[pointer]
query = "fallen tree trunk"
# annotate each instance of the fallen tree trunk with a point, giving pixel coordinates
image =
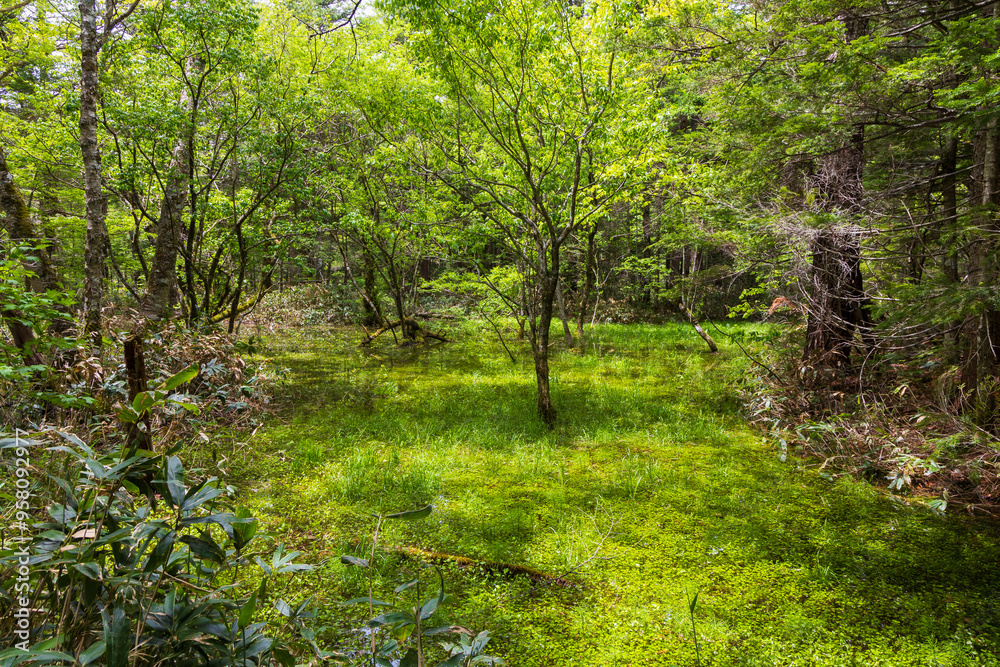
(411, 329)
(499, 569)
(697, 327)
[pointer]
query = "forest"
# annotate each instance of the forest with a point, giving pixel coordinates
(483, 332)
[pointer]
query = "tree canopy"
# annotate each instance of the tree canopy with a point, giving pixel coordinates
(181, 160)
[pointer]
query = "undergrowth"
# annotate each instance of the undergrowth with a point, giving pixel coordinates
(890, 419)
(651, 489)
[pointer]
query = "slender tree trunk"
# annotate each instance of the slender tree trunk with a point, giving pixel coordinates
(712, 347)
(838, 304)
(540, 321)
(192, 242)
(234, 311)
(540, 349)
(97, 241)
(562, 315)
(370, 312)
(20, 228)
(949, 199)
(588, 279)
(837, 300)
(981, 364)
(138, 436)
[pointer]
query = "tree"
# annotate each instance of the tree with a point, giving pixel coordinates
(97, 207)
(200, 150)
(533, 90)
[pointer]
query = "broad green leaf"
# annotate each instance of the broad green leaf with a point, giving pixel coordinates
(376, 603)
(94, 652)
(205, 547)
(160, 552)
(142, 402)
(185, 375)
(175, 481)
(90, 570)
(247, 612)
(410, 659)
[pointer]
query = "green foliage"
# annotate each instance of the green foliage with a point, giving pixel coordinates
(652, 488)
(140, 562)
(397, 633)
(34, 310)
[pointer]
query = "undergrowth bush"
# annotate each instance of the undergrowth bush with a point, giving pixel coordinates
(137, 561)
(890, 420)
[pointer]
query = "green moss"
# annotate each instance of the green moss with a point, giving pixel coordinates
(650, 487)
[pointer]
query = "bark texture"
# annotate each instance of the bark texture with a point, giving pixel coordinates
(161, 286)
(97, 242)
(548, 281)
(17, 224)
(712, 347)
(837, 307)
(981, 363)
(138, 437)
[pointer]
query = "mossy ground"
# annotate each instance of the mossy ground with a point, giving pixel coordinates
(651, 480)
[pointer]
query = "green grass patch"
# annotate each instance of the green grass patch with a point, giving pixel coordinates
(650, 488)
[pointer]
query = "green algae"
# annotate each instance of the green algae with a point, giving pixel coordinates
(650, 488)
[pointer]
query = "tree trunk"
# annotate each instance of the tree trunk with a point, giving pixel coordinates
(588, 280)
(949, 199)
(17, 223)
(23, 336)
(981, 364)
(562, 315)
(20, 228)
(370, 298)
(161, 287)
(97, 241)
(838, 305)
(712, 347)
(135, 372)
(540, 321)
(540, 349)
(192, 242)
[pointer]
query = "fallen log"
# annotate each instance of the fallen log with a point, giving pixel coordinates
(411, 329)
(500, 569)
(697, 327)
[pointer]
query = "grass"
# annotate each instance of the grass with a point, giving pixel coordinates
(650, 488)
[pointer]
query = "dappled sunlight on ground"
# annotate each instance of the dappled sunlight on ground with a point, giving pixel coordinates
(650, 488)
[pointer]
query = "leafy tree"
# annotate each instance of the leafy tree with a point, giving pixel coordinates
(542, 129)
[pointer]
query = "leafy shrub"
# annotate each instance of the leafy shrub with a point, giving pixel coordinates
(138, 563)
(226, 383)
(25, 385)
(303, 305)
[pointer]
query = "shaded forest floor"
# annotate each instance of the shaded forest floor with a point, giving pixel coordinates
(651, 488)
